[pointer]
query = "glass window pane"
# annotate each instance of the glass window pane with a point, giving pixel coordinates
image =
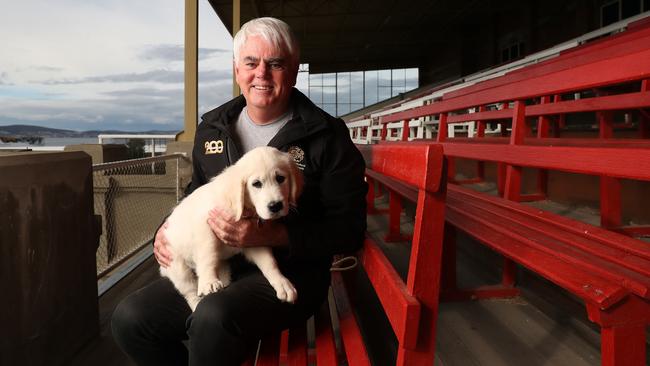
(371, 87)
(343, 108)
(330, 108)
(329, 94)
(355, 107)
(302, 82)
(383, 93)
(343, 88)
(411, 78)
(316, 94)
(398, 77)
(315, 79)
(356, 87)
(329, 79)
(383, 77)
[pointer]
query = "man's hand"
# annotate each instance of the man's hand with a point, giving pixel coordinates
(160, 251)
(246, 232)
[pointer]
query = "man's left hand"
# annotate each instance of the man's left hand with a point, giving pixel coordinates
(247, 232)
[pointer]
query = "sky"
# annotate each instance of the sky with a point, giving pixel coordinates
(106, 64)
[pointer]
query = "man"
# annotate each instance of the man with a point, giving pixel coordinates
(151, 324)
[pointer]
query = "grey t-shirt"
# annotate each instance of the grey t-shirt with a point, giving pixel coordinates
(250, 135)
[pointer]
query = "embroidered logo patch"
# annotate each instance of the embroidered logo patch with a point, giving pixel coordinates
(213, 147)
(298, 156)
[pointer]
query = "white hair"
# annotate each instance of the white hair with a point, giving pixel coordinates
(272, 30)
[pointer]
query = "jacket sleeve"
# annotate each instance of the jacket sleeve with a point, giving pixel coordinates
(340, 227)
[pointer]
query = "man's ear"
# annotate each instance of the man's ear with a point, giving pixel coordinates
(296, 182)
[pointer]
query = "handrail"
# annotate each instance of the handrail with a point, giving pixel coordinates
(125, 163)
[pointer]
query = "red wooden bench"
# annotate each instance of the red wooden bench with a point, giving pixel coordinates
(609, 271)
(411, 307)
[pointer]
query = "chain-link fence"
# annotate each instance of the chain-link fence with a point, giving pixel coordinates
(133, 197)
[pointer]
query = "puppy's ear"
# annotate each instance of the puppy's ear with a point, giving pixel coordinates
(296, 182)
(236, 188)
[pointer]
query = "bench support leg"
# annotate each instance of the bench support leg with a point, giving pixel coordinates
(394, 219)
(449, 286)
(623, 331)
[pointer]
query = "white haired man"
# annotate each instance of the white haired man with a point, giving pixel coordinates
(154, 325)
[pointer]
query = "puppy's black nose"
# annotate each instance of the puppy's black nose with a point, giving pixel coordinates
(275, 206)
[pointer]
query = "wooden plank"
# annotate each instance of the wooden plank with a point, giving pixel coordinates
(606, 262)
(402, 309)
(404, 161)
(610, 71)
(604, 103)
(355, 349)
(589, 287)
(593, 233)
(568, 59)
(613, 162)
(406, 191)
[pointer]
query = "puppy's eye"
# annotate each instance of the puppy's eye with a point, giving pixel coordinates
(279, 178)
(257, 184)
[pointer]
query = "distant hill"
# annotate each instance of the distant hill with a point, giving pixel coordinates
(38, 131)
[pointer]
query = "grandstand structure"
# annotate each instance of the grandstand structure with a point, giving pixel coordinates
(508, 203)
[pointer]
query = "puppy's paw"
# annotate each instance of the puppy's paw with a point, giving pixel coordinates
(209, 287)
(284, 290)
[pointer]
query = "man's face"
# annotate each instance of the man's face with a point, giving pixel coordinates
(265, 76)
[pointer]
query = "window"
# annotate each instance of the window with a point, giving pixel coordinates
(345, 92)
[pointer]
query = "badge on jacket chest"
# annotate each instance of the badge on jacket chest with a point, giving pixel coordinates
(298, 156)
(213, 147)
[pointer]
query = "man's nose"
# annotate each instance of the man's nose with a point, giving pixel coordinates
(262, 70)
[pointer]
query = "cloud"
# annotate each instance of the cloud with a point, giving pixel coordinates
(154, 76)
(159, 76)
(4, 79)
(175, 52)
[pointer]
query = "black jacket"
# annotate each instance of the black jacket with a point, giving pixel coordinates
(331, 213)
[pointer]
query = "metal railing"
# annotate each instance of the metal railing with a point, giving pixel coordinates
(133, 197)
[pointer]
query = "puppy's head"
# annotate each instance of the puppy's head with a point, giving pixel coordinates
(272, 182)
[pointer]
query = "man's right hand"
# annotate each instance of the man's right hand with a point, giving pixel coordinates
(160, 251)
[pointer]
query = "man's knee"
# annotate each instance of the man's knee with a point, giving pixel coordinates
(213, 316)
(127, 319)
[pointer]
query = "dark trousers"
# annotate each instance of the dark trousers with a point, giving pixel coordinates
(152, 324)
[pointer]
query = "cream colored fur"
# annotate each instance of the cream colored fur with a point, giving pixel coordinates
(250, 185)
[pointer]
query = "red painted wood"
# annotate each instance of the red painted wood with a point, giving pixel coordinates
(405, 130)
(588, 287)
(297, 350)
(644, 116)
(394, 219)
(609, 263)
(269, 351)
(614, 162)
(442, 127)
(623, 345)
(404, 162)
(589, 232)
(424, 275)
(325, 347)
(622, 331)
(354, 347)
(599, 73)
(402, 309)
(614, 46)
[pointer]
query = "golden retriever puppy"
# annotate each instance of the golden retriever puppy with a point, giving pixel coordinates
(265, 181)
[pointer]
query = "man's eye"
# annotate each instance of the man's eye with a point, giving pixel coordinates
(279, 178)
(257, 184)
(276, 66)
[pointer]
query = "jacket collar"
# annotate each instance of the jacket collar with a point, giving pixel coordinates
(307, 118)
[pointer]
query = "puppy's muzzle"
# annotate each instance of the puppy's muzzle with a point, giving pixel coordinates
(276, 207)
